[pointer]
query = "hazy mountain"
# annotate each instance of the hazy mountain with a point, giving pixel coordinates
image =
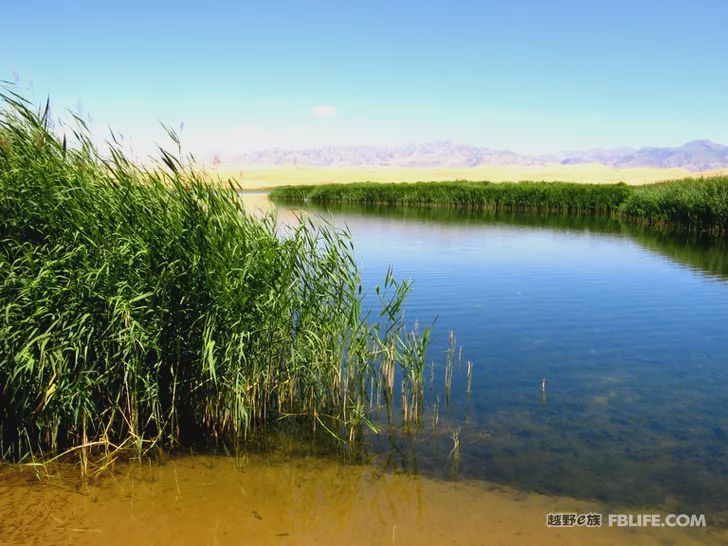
(435, 154)
(698, 155)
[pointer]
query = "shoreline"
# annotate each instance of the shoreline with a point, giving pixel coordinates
(694, 204)
(206, 499)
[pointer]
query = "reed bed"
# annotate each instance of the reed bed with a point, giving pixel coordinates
(699, 203)
(693, 204)
(523, 195)
(143, 307)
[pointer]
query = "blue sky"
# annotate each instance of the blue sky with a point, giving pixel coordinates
(532, 76)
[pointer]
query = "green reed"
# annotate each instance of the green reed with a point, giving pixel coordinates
(587, 198)
(144, 307)
(699, 203)
(693, 204)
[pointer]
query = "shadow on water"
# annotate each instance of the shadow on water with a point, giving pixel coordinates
(701, 252)
(636, 357)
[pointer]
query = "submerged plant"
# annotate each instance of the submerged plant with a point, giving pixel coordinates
(143, 306)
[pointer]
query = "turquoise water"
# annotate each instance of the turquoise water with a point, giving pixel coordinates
(628, 326)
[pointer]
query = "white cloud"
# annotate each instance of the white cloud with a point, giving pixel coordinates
(324, 111)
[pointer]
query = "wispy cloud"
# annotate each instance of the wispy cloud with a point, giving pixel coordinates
(324, 111)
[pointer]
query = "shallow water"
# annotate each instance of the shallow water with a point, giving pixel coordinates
(221, 500)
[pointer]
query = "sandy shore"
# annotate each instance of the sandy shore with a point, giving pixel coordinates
(206, 500)
(254, 178)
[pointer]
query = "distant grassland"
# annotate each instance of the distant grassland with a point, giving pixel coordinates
(699, 204)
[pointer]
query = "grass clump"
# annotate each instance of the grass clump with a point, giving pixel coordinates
(699, 203)
(144, 307)
(693, 204)
(553, 196)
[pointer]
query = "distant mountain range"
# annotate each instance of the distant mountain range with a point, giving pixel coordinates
(697, 155)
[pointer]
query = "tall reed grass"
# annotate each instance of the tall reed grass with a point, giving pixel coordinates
(144, 307)
(561, 196)
(693, 204)
(698, 203)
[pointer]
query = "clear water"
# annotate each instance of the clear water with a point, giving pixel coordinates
(628, 326)
(254, 500)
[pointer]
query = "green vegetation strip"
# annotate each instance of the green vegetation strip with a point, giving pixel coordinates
(145, 308)
(698, 204)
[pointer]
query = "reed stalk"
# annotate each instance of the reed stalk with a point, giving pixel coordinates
(144, 307)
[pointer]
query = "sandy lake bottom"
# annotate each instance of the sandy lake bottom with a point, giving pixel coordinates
(307, 500)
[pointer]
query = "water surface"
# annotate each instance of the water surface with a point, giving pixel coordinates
(628, 326)
(202, 500)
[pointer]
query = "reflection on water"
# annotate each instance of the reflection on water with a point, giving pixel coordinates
(628, 325)
(221, 500)
(702, 252)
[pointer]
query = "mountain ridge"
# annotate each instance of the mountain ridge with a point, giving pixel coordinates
(695, 155)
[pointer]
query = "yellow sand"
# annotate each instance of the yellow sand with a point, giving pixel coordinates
(206, 500)
(260, 178)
